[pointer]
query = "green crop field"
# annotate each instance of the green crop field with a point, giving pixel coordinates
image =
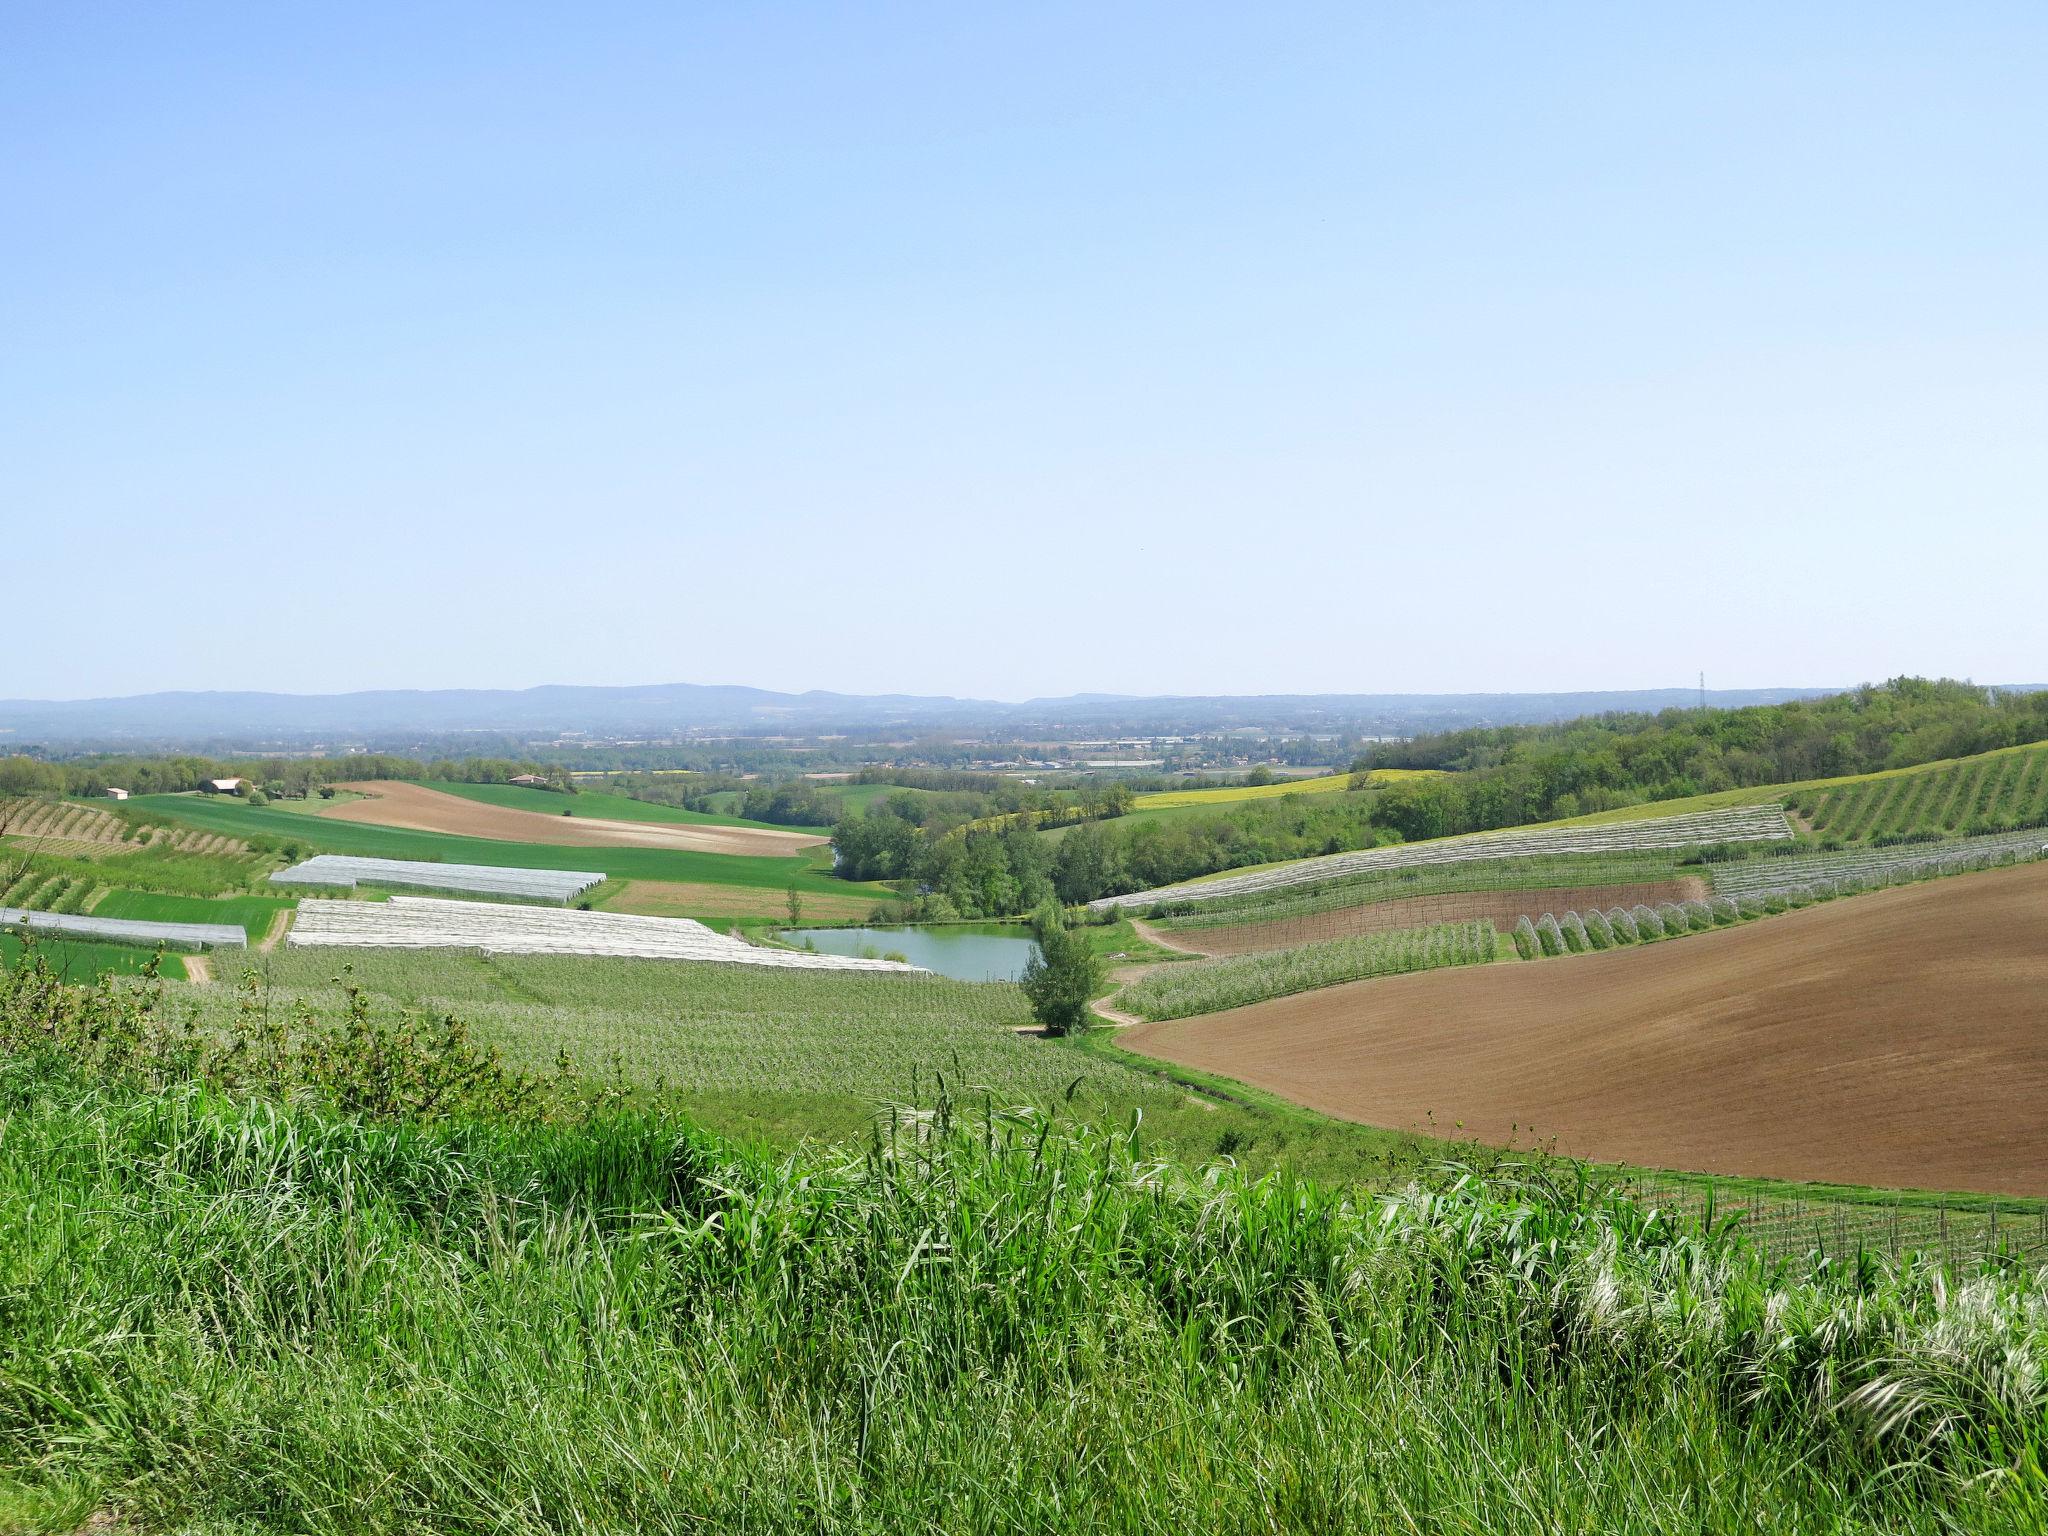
(81, 960)
(253, 914)
(810, 872)
(598, 803)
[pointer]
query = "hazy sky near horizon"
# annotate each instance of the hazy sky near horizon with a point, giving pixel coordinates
(1019, 350)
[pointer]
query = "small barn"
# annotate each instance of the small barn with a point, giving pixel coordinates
(222, 786)
(117, 794)
(530, 780)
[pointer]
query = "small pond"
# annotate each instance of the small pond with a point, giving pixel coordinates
(965, 951)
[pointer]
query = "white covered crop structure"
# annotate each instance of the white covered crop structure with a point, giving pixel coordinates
(121, 930)
(1742, 824)
(422, 922)
(346, 872)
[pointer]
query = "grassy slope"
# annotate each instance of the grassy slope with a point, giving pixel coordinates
(598, 803)
(1764, 794)
(315, 834)
(274, 1318)
(80, 960)
(792, 1055)
(856, 798)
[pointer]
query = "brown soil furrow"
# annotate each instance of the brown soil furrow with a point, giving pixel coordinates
(1896, 1039)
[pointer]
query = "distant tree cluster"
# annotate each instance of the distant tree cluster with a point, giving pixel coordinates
(1514, 775)
(1004, 866)
(274, 777)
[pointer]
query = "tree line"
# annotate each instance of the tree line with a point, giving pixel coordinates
(298, 776)
(1514, 775)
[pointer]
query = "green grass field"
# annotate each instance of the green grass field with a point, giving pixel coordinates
(81, 961)
(855, 799)
(598, 803)
(253, 914)
(810, 872)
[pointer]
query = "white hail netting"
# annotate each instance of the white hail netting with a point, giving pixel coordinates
(1758, 876)
(1743, 824)
(421, 922)
(122, 930)
(346, 871)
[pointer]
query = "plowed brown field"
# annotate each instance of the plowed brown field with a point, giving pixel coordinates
(1500, 908)
(420, 809)
(1898, 1039)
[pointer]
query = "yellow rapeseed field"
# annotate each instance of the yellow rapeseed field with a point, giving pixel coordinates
(1175, 799)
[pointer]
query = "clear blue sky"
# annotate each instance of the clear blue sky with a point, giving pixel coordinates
(1010, 350)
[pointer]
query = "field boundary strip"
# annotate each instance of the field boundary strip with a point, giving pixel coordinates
(425, 922)
(1757, 823)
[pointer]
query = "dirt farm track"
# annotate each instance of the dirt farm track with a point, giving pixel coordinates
(420, 809)
(1897, 1039)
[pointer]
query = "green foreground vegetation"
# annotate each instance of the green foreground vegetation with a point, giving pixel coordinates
(334, 1275)
(786, 1054)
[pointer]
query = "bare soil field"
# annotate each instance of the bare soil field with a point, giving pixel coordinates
(420, 809)
(1501, 908)
(1898, 1039)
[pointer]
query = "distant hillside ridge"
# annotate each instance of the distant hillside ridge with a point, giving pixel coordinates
(191, 718)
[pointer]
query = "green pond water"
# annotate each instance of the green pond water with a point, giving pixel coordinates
(967, 952)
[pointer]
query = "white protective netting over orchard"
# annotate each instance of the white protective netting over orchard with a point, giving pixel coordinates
(346, 872)
(123, 930)
(1741, 824)
(422, 922)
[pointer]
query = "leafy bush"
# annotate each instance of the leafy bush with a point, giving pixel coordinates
(1648, 923)
(1622, 923)
(1549, 936)
(1526, 943)
(1598, 930)
(1576, 938)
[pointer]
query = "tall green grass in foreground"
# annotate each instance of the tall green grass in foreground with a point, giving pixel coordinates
(391, 1291)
